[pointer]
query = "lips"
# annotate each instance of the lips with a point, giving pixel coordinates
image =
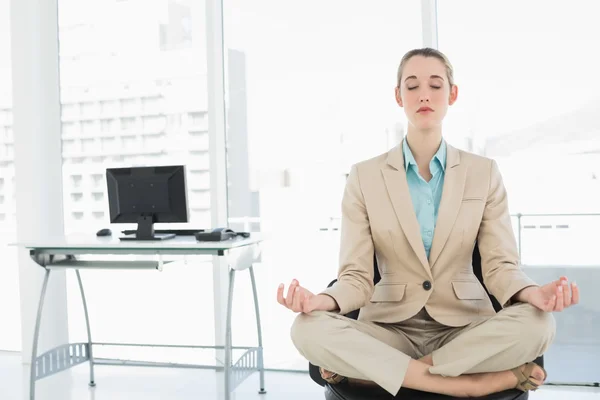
(423, 109)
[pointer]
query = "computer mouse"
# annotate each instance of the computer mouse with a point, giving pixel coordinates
(104, 232)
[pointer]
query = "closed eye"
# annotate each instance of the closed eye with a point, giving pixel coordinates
(433, 87)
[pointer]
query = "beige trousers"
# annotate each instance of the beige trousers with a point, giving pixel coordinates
(381, 352)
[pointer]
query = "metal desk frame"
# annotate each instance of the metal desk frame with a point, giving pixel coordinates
(240, 253)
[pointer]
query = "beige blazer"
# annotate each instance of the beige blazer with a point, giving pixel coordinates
(378, 216)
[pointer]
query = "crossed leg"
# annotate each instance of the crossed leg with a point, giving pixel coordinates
(386, 356)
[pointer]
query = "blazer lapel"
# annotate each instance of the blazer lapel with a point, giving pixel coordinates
(397, 187)
(452, 193)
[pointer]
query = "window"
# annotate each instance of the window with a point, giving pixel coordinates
(89, 128)
(199, 180)
(97, 180)
(129, 106)
(9, 150)
(10, 338)
(154, 124)
(70, 111)
(174, 122)
(198, 140)
(98, 196)
(198, 120)
(128, 123)
(109, 144)
(76, 181)
(107, 126)
(70, 128)
(320, 91)
(129, 142)
(6, 113)
(114, 93)
(153, 105)
(153, 143)
(529, 99)
(76, 197)
(70, 146)
(109, 107)
(89, 109)
(88, 145)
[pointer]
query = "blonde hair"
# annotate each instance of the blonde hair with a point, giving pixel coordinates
(427, 52)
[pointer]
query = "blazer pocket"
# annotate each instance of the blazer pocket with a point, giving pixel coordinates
(468, 290)
(472, 199)
(388, 292)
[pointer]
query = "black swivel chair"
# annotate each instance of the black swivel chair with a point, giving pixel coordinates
(346, 392)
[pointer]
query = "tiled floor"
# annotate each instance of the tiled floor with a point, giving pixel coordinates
(133, 383)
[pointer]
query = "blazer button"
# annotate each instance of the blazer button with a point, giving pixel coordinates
(427, 285)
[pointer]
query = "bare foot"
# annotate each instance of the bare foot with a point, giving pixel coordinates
(330, 377)
(334, 378)
(529, 371)
(428, 359)
(493, 382)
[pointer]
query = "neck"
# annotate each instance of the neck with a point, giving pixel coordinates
(424, 145)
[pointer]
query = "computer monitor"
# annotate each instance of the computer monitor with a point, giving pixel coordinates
(145, 195)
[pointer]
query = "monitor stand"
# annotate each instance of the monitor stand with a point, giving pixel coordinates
(145, 231)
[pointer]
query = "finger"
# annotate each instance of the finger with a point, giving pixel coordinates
(550, 304)
(280, 298)
(560, 299)
(560, 280)
(297, 302)
(306, 304)
(566, 294)
(290, 295)
(575, 288)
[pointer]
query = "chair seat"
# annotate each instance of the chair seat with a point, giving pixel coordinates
(345, 392)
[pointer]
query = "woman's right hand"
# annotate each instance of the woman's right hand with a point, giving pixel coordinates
(300, 299)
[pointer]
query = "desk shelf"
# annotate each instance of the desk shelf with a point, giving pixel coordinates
(70, 355)
(61, 358)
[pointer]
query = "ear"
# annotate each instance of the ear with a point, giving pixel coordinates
(398, 97)
(453, 95)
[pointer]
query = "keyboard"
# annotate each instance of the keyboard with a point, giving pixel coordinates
(177, 232)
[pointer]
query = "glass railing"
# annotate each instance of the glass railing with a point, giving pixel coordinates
(557, 239)
(546, 239)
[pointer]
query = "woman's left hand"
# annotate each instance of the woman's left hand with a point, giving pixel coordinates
(554, 296)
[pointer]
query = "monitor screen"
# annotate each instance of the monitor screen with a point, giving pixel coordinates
(145, 195)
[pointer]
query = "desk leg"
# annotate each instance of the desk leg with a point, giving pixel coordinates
(261, 365)
(89, 333)
(36, 335)
(228, 340)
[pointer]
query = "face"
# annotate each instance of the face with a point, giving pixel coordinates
(425, 92)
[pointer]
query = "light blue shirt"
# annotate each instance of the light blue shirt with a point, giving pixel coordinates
(426, 196)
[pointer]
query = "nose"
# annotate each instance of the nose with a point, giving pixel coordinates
(424, 99)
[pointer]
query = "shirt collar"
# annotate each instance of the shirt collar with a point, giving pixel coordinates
(440, 156)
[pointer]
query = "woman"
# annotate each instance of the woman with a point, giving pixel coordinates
(428, 324)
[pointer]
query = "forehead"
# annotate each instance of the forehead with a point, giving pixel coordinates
(424, 67)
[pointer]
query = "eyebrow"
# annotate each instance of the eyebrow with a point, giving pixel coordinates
(431, 77)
